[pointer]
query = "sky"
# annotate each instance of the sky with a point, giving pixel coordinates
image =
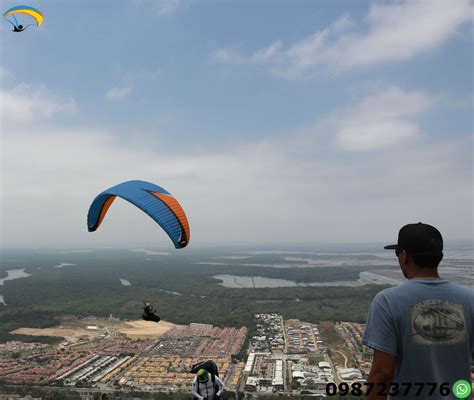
(272, 122)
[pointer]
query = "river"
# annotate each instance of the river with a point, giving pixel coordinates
(12, 274)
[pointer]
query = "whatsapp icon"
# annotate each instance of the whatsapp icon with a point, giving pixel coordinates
(462, 389)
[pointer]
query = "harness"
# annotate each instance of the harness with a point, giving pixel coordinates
(216, 388)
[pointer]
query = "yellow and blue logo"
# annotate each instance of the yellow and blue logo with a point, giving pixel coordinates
(25, 10)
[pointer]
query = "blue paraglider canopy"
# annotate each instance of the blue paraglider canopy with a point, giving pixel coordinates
(150, 198)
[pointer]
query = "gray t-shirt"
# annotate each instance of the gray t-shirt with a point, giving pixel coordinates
(428, 324)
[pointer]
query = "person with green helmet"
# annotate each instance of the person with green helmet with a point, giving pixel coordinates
(207, 386)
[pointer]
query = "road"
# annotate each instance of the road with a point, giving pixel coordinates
(345, 358)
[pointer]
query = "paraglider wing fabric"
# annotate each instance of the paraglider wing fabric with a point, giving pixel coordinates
(160, 205)
(98, 210)
(32, 12)
(177, 211)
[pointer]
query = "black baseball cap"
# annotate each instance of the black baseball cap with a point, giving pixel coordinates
(418, 238)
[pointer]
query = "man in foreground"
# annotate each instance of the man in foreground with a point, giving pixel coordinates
(422, 332)
(207, 386)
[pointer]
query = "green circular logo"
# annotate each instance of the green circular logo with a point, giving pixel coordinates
(462, 389)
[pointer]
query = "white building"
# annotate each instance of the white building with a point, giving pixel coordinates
(249, 364)
(200, 326)
(350, 374)
(251, 383)
(324, 365)
(92, 327)
(277, 381)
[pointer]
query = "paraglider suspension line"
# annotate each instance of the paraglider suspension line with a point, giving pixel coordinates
(17, 25)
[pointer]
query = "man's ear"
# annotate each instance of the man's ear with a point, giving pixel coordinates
(403, 262)
(404, 258)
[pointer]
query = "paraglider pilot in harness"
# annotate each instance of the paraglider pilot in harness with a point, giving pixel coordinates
(149, 314)
(207, 385)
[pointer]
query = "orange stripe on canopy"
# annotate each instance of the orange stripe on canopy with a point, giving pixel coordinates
(105, 207)
(177, 210)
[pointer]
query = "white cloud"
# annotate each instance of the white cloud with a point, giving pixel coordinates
(228, 56)
(390, 33)
(164, 7)
(373, 136)
(288, 189)
(161, 7)
(382, 120)
(118, 93)
(263, 55)
(24, 103)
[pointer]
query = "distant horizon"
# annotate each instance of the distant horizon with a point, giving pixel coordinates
(297, 247)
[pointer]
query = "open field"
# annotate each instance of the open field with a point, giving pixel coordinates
(340, 354)
(72, 335)
(145, 329)
(76, 330)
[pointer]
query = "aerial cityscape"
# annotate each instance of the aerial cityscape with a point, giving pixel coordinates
(316, 339)
(284, 356)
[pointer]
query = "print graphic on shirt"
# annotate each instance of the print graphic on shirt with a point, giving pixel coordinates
(438, 322)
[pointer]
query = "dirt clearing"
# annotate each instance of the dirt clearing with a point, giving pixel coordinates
(75, 330)
(145, 329)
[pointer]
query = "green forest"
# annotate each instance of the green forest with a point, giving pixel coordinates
(182, 288)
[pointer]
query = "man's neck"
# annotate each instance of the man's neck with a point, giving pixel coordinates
(425, 273)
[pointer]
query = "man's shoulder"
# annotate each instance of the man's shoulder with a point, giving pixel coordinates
(392, 291)
(464, 292)
(463, 289)
(413, 286)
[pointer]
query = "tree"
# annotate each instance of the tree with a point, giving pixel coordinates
(310, 384)
(295, 385)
